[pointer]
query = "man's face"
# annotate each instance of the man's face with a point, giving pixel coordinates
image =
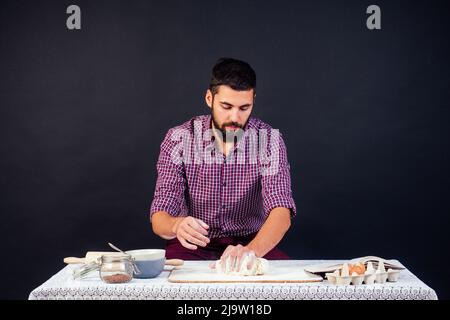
(230, 109)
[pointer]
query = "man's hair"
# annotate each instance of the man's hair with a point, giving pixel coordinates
(236, 74)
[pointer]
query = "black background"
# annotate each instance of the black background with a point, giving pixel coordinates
(364, 115)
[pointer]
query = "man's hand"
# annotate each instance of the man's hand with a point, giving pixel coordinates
(191, 232)
(237, 254)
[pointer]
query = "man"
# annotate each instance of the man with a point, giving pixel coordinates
(213, 198)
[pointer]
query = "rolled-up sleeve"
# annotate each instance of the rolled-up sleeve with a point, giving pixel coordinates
(276, 182)
(170, 187)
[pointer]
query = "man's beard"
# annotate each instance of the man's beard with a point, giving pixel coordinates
(222, 127)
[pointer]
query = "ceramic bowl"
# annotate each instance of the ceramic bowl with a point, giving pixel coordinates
(150, 262)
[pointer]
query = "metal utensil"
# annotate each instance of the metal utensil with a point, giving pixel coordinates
(168, 262)
(115, 248)
(135, 267)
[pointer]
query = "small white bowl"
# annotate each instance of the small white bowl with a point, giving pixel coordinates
(149, 262)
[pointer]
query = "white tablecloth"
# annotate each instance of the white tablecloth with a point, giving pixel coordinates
(63, 286)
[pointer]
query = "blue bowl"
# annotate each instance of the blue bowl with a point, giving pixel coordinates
(150, 262)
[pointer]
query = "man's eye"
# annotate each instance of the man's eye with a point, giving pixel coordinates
(244, 109)
(226, 107)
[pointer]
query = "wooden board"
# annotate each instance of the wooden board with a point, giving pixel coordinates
(91, 256)
(281, 272)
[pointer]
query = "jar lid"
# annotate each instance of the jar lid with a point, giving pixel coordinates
(116, 257)
(85, 270)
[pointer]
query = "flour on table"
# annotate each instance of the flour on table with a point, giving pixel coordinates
(260, 267)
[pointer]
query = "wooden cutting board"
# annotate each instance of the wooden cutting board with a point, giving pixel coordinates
(282, 271)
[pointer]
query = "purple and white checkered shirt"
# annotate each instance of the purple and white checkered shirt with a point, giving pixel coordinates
(233, 194)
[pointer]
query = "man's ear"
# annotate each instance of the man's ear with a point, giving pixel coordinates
(209, 98)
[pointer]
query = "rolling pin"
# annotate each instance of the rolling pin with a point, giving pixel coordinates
(92, 256)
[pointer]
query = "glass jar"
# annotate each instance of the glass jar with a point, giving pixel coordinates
(116, 269)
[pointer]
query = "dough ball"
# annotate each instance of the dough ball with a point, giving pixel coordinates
(260, 267)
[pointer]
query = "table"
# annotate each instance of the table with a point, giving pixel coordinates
(63, 287)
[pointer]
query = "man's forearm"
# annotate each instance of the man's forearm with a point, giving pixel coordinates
(272, 231)
(164, 225)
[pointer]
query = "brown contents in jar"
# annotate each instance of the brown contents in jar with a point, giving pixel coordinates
(117, 278)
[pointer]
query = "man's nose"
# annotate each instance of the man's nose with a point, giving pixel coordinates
(234, 117)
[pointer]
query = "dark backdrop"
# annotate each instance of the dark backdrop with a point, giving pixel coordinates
(364, 115)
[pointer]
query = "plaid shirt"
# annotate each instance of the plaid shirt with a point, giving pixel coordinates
(233, 194)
